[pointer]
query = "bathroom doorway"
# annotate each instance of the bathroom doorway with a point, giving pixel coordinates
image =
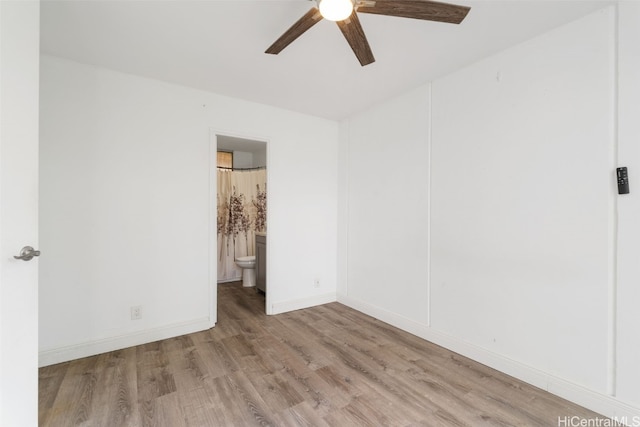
(238, 206)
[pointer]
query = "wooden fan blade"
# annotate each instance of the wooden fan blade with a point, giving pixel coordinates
(309, 19)
(417, 9)
(354, 34)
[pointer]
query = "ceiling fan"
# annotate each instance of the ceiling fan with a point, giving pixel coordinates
(343, 12)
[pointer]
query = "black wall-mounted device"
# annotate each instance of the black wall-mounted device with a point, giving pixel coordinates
(623, 180)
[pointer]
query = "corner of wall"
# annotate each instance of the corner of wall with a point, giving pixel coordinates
(598, 402)
(342, 252)
(291, 305)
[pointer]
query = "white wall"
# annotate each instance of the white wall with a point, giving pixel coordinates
(124, 213)
(242, 159)
(245, 159)
(628, 372)
(260, 158)
(388, 210)
(521, 204)
(124, 168)
(521, 228)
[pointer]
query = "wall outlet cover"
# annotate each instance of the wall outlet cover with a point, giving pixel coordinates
(136, 312)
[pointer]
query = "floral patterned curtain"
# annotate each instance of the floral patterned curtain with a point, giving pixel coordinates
(242, 210)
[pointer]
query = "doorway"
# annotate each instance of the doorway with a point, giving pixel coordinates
(248, 165)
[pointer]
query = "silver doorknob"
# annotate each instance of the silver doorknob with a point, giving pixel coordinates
(27, 253)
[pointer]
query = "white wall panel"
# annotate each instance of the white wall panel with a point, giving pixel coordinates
(628, 313)
(522, 206)
(521, 191)
(388, 155)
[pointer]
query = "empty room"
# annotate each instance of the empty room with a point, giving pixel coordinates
(428, 215)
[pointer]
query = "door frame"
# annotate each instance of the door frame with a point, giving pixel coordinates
(213, 218)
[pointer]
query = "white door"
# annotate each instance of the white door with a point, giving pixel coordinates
(19, 77)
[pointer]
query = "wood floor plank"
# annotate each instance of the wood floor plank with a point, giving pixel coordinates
(323, 366)
(50, 380)
(300, 415)
(228, 409)
(360, 412)
(302, 342)
(169, 412)
(198, 407)
(254, 408)
(73, 401)
(276, 391)
(115, 403)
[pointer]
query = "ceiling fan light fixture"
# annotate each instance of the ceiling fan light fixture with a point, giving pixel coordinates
(335, 10)
(344, 13)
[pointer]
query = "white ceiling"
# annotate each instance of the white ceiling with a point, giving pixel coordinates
(218, 46)
(232, 143)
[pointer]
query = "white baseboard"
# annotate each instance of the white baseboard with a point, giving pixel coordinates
(601, 403)
(284, 306)
(91, 348)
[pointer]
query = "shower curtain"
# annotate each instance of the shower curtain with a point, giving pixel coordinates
(242, 210)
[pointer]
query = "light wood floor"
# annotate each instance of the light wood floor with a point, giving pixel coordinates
(323, 366)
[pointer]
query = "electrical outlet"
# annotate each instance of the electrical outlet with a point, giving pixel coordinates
(136, 312)
(316, 283)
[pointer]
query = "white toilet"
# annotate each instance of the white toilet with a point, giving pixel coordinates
(248, 266)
